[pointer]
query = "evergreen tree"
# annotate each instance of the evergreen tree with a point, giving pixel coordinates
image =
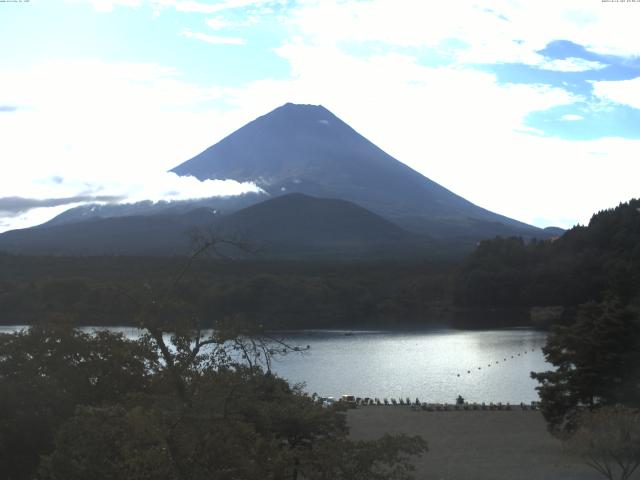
(597, 362)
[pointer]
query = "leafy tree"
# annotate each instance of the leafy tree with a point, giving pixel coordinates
(597, 362)
(608, 440)
(105, 443)
(50, 369)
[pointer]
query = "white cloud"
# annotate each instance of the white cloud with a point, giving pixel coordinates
(214, 39)
(449, 97)
(188, 6)
(117, 125)
(154, 186)
(571, 64)
(217, 23)
(232, 4)
(208, 7)
(510, 31)
(625, 92)
(112, 129)
(91, 85)
(168, 186)
(570, 117)
(109, 5)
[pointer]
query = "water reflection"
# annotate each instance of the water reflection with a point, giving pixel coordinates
(434, 366)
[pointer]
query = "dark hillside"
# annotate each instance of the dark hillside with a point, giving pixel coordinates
(297, 223)
(585, 264)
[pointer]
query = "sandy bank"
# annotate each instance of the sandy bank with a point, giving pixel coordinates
(476, 445)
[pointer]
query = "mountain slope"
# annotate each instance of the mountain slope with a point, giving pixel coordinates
(298, 222)
(224, 205)
(307, 149)
(289, 225)
(295, 148)
(134, 235)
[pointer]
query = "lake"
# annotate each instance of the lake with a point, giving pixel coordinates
(435, 366)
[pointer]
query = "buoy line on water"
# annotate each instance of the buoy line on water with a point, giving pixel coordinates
(497, 362)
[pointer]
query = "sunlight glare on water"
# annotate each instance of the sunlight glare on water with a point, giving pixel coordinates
(434, 366)
(424, 365)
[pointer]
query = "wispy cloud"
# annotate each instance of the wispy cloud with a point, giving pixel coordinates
(19, 211)
(570, 117)
(217, 23)
(624, 92)
(214, 39)
(509, 32)
(110, 129)
(186, 6)
(219, 6)
(109, 5)
(571, 64)
(13, 206)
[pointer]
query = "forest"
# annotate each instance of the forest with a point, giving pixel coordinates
(101, 290)
(587, 263)
(497, 285)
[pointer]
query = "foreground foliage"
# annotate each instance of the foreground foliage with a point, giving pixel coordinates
(608, 440)
(597, 362)
(75, 406)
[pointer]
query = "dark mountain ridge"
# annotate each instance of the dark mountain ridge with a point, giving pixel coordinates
(298, 222)
(288, 225)
(157, 235)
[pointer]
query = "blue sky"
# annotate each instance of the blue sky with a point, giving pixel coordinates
(529, 109)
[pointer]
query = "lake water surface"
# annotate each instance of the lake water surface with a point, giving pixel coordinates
(435, 366)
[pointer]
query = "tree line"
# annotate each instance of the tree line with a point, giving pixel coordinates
(274, 294)
(585, 264)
